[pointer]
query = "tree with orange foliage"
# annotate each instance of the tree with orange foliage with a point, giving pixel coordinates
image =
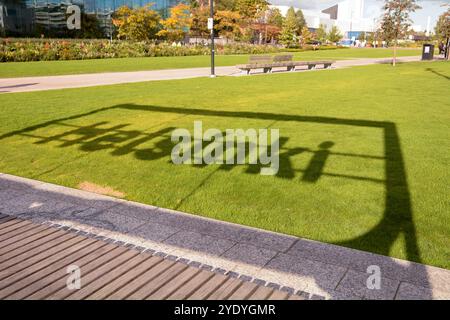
(136, 24)
(199, 22)
(177, 25)
(227, 24)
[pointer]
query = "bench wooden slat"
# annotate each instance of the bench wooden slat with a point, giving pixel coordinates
(268, 62)
(283, 58)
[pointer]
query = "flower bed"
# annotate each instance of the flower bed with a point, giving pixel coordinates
(18, 50)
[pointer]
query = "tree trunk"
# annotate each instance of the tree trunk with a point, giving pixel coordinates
(447, 50)
(395, 53)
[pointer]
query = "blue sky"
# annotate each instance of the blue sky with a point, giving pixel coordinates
(430, 8)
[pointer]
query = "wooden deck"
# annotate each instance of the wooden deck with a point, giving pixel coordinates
(34, 260)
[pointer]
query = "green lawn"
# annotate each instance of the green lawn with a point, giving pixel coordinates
(43, 68)
(364, 151)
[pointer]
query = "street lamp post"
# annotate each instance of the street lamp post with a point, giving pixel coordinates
(211, 27)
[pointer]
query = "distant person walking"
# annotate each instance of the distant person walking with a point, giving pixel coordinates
(441, 48)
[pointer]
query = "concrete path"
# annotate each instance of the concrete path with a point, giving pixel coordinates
(26, 84)
(276, 260)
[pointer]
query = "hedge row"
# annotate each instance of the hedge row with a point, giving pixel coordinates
(18, 50)
(33, 50)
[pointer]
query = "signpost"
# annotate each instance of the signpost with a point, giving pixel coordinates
(211, 28)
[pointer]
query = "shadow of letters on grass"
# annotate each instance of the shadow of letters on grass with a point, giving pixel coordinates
(397, 218)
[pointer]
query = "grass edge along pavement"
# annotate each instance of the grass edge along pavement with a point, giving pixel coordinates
(48, 68)
(407, 219)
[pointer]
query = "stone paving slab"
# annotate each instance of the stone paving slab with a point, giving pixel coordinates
(325, 270)
(355, 283)
(26, 84)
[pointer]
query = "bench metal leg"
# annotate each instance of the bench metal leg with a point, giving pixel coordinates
(267, 70)
(311, 66)
(326, 66)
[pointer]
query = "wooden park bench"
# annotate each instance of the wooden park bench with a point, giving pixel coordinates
(280, 61)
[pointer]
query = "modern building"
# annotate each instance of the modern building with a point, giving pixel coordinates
(48, 17)
(351, 17)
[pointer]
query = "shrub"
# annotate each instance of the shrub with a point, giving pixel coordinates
(18, 50)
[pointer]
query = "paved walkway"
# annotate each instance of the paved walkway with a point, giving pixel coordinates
(35, 259)
(254, 255)
(88, 80)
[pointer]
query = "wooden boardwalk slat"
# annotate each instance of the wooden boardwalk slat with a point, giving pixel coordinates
(124, 279)
(34, 260)
(278, 295)
(191, 286)
(51, 268)
(296, 297)
(56, 281)
(141, 280)
(9, 221)
(97, 284)
(174, 284)
(262, 293)
(29, 243)
(244, 291)
(226, 289)
(4, 217)
(158, 282)
(208, 287)
(101, 269)
(16, 229)
(27, 259)
(26, 243)
(51, 259)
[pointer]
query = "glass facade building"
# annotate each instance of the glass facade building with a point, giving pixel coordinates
(48, 17)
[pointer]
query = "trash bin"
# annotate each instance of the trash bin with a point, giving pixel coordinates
(428, 51)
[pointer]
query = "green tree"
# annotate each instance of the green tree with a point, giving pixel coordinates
(301, 22)
(252, 13)
(305, 36)
(396, 21)
(288, 35)
(225, 5)
(334, 35)
(274, 17)
(251, 9)
(443, 30)
(136, 24)
(362, 36)
(321, 33)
